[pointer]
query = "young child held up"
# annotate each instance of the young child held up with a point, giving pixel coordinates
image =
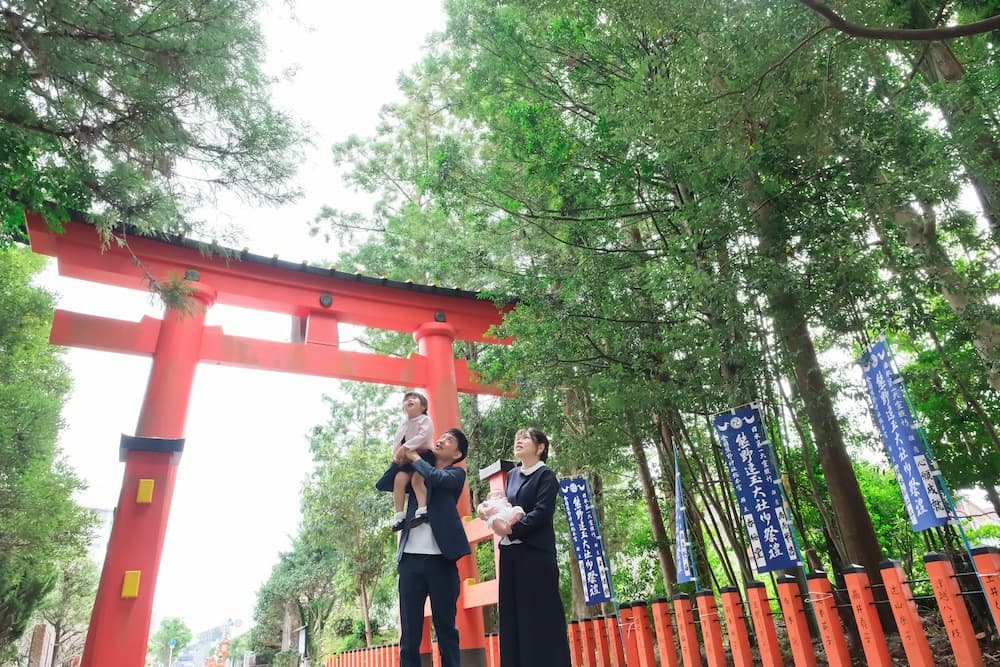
(416, 433)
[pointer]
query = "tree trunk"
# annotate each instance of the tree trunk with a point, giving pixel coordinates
(940, 65)
(976, 313)
(994, 498)
(57, 635)
(667, 566)
(793, 331)
(365, 615)
(286, 626)
(717, 507)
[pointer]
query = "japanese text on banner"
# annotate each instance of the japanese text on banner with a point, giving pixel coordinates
(682, 556)
(586, 537)
(914, 471)
(758, 489)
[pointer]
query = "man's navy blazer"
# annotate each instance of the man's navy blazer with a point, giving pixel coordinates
(536, 494)
(444, 486)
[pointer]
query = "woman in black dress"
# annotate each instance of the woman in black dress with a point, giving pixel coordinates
(532, 619)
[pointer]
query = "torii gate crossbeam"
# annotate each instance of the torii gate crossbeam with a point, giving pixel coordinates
(317, 301)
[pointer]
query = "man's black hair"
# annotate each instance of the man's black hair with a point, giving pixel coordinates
(463, 442)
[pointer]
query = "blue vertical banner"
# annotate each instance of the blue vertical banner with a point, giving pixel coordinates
(758, 488)
(682, 545)
(915, 470)
(586, 537)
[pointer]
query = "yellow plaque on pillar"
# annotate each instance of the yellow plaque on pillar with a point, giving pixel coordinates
(145, 493)
(130, 584)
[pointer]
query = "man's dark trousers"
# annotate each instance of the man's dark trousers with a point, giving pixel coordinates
(421, 575)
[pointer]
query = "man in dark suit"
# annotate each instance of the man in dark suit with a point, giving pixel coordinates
(429, 547)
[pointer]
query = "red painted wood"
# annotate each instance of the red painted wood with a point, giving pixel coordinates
(763, 624)
(736, 626)
(954, 613)
(711, 628)
(119, 627)
(866, 617)
(828, 619)
(644, 635)
(687, 634)
(904, 610)
(794, 613)
(987, 560)
(664, 633)
(263, 286)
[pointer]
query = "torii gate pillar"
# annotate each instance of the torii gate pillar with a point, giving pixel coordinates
(120, 621)
(434, 340)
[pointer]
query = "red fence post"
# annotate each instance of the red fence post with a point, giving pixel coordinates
(616, 639)
(794, 613)
(763, 624)
(493, 649)
(573, 635)
(904, 610)
(687, 635)
(664, 633)
(587, 642)
(954, 613)
(987, 560)
(736, 626)
(866, 615)
(602, 657)
(644, 634)
(629, 634)
(825, 607)
(711, 628)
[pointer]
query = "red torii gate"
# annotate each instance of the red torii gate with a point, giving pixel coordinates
(317, 301)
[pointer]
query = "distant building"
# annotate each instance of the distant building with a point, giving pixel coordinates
(976, 510)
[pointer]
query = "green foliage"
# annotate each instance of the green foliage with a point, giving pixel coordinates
(239, 647)
(689, 217)
(136, 115)
(341, 508)
(23, 586)
(67, 608)
(302, 584)
(171, 628)
(286, 658)
(40, 524)
(986, 534)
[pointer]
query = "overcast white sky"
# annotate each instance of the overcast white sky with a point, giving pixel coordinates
(236, 501)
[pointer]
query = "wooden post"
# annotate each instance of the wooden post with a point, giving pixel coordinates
(598, 627)
(644, 634)
(954, 613)
(587, 642)
(493, 649)
(616, 639)
(736, 626)
(763, 624)
(904, 610)
(987, 560)
(629, 634)
(866, 615)
(793, 610)
(573, 635)
(825, 607)
(664, 633)
(711, 628)
(687, 635)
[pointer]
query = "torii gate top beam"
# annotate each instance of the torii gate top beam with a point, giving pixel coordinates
(269, 284)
